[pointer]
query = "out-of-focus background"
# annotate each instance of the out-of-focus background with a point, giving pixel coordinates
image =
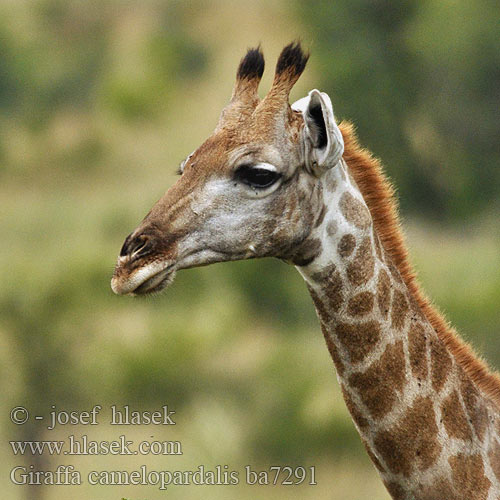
(99, 101)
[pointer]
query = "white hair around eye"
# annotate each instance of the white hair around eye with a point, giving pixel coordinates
(266, 166)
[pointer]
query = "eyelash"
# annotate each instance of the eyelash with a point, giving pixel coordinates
(180, 167)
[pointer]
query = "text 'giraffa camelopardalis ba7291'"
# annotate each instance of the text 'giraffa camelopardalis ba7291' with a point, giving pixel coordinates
(275, 180)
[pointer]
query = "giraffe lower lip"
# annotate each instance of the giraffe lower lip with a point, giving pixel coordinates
(149, 278)
(155, 283)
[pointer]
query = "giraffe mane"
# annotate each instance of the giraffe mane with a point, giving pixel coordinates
(378, 194)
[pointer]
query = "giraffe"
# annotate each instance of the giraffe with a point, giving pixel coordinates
(275, 180)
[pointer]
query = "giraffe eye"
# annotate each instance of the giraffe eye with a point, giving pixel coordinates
(256, 177)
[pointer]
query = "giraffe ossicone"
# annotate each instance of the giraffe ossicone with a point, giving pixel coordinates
(275, 180)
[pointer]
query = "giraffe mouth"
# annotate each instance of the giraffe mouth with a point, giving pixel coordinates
(155, 283)
(150, 279)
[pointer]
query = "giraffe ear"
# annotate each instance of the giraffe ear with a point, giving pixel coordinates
(323, 142)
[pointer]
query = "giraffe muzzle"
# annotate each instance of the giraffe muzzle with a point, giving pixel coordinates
(142, 268)
(148, 279)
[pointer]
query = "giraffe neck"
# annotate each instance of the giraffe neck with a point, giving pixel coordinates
(425, 425)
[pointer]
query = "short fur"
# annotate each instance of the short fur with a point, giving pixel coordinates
(378, 194)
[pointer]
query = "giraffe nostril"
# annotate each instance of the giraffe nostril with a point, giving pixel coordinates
(125, 246)
(136, 246)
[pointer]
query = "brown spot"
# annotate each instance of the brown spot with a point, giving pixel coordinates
(360, 304)
(334, 292)
(396, 491)
(331, 228)
(454, 419)
(412, 442)
(346, 245)
(474, 404)
(323, 274)
(440, 363)
(379, 385)
(415, 309)
(383, 292)
(417, 346)
(354, 211)
(361, 269)
(307, 252)
(468, 476)
(358, 418)
(494, 456)
(399, 310)
(332, 287)
(358, 339)
(321, 216)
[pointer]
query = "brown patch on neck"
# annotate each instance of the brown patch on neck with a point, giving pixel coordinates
(361, 269)
(360, 304)
(380, 385)
(346, 245)
(406, 447)
(454, 418)
(441, 364)
(468, 476)
(396, 490)
(358, 339)
(399, 310)
(354, 211)
(378, 194)
(417, 347)
(383, 292)
(334, 294)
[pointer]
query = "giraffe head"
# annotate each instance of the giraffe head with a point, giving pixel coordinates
(252, 189)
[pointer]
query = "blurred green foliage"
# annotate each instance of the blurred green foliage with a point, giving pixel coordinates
(98, 103)
(420, 80)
